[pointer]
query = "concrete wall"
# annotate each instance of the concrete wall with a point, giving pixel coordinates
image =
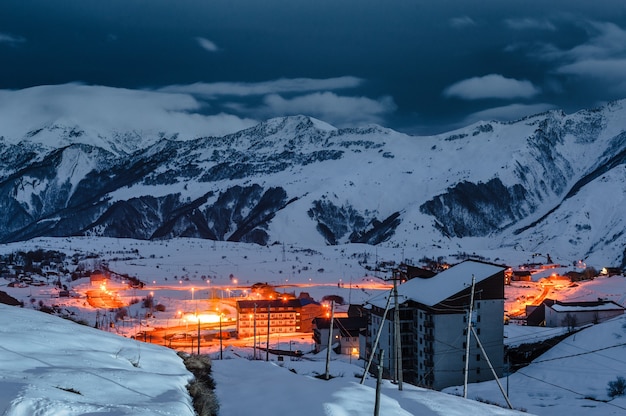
(449, 350)
(557, 319)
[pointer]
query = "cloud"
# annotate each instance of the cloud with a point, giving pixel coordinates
(11, 40)
(327, 106)
(104, 109)
(461, 22)
(508, 112)
(207, 44)
(491, 86)
(609, 71)
(279, 86)
(529, 24)
(606, 41)
(598, 68)
(290, 96)
(601, 59)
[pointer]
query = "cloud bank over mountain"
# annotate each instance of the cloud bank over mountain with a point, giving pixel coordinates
(416, 68)
(102, 107)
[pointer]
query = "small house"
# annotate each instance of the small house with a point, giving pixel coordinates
(345, 339)
(553, 313)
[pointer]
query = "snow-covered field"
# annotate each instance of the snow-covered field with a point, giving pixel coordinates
(55, 367)
(183, 274)
(291, 388)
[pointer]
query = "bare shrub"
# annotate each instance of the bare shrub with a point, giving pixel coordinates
(616, 387)
(201, 388)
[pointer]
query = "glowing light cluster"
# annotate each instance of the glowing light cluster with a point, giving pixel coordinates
(205, 318)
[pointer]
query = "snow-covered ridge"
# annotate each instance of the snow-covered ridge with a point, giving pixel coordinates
(296, 179)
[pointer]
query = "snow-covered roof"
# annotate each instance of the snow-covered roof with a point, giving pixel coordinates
(609, 306)
(432, 291)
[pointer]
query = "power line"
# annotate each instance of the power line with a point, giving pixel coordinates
(568, 389)
(579, 354)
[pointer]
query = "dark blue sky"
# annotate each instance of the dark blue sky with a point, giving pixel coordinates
(415, 66)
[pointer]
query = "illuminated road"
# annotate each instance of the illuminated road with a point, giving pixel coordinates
(98, 298)
(544, 294)
(522, 311)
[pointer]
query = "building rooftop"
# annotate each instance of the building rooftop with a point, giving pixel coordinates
(341, 323)
(585, 306)
(433, 290)
(274, 303)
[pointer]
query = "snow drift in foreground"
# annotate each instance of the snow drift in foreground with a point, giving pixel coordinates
(51, 367)
(267, 388)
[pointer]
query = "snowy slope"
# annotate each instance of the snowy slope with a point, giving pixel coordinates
(298, 180)
(290, 388)
(53, 367)
(571, 378)
(48, 345)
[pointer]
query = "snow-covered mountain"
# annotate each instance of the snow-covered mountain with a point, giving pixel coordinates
(551, 183)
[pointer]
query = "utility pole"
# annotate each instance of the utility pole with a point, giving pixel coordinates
(380, 330)
(267, 347)
(379, 382)
(330, 340)
(198, 317)
(467, 338)
(254, 333)
(397, 335)
(495, 376)
(221, 336)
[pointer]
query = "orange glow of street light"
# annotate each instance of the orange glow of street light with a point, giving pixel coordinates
(204, 318)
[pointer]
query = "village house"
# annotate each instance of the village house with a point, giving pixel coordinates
(553, 313)
(611, 271)
(346, 330)
(97, 279)
(433, 326)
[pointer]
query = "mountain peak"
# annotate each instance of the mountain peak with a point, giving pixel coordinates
(297, 178)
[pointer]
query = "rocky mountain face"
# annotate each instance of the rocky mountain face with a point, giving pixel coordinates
(551, 183)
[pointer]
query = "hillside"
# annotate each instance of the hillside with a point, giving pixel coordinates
(53, 367)
(571, 378)
(550, 183)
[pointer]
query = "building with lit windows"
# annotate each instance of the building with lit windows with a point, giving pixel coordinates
(285, 316)
(345, 338)
(433, 326)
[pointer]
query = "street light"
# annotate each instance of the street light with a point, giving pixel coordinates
(254, 331)
(220, 335)
(198, 318)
